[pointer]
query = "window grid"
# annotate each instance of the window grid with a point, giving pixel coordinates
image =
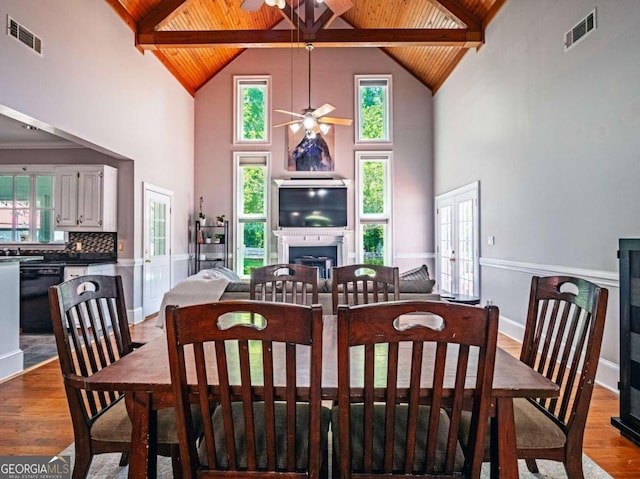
(374, 207)
(446, 248)
(252, 109)
(373, 109)
(465, 257)
(251, 213)
(26, 208)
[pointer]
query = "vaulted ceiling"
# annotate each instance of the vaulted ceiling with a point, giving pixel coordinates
(196, 39)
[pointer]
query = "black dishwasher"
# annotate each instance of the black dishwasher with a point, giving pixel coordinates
(35, 279)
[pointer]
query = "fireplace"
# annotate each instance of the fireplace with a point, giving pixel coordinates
(322, 257)
(321, 247)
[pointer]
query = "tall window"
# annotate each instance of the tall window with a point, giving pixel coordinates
(251, 211)
(26, 208)
(373, 109)
(374, 207)
(251, 110)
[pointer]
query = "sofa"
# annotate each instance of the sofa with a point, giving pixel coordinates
(223, 284)
(415, 284)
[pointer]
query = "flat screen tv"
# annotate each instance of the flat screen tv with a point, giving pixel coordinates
(312, 207)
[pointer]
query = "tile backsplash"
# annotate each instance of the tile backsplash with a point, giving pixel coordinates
(104, 244)
(92, 242)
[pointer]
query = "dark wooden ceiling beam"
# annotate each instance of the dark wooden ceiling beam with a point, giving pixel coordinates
(324, 20)
(159, 16)
(291, 16)
(455, 8)
(455, 37)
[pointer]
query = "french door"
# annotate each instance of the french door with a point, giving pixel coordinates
(457, 246)
(157, 247)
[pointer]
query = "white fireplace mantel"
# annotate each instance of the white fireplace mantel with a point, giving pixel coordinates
(338, 237)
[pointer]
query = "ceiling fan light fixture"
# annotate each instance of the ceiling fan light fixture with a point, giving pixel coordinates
(310, 134)
(324, 128)
(295, 127)
(272, 3)
(309, 121)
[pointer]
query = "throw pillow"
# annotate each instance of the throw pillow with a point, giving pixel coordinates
(416, 286)
(421, 273)
(218, 272)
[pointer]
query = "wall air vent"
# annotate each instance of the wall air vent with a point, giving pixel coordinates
(581, 30)
(24, 36)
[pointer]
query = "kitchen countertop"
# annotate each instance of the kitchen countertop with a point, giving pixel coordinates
(70, 264)
(18, 259)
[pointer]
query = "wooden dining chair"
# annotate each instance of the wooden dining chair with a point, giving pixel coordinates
(284, 283)
(90, 325)
(269, 421)
(364, 283)
(562, 340)
(399, 415)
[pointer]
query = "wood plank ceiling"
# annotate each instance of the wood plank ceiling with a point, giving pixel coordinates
(196, 39)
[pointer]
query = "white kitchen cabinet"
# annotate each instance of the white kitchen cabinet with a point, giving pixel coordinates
(70, 272)
(106, 269)
(86, 198)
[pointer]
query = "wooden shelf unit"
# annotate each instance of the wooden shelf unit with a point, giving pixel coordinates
(211, 254)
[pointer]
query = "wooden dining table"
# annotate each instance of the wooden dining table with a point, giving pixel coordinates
(144, 374)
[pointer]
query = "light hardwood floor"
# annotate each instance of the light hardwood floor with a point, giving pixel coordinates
(34, 417)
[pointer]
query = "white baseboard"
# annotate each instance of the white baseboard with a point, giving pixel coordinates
(11, 363)
(608, 372)
(135, 316)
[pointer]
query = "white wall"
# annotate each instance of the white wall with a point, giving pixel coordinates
(552, 136)
(92, 83)
(333, 71)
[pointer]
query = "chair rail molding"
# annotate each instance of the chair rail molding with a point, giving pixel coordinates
(600, 277)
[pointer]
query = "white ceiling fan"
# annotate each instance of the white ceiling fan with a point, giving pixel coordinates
(313, 120)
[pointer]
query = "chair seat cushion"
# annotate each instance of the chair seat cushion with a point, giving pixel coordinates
(400, 427)
(114, 424)
(302, 435)
(534, 430)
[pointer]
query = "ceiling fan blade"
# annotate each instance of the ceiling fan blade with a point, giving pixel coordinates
(323, 110)
(336, 121)
(289, 113)
(286, 123)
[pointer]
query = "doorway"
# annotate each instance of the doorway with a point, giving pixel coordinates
(157, 247)
(457, 246)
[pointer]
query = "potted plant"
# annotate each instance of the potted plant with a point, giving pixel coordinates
(208, 238)
(201, 216)
(220, 220)
(217, 238)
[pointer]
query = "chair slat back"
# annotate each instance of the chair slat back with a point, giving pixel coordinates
(363, 284)
(285, 283)
(264, 341)
(414, 385)
(563, 337)
(92, 331)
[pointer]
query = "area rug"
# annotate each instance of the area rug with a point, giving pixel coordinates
(105, 466)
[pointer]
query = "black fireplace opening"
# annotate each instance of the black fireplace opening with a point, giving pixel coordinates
(324, 257)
